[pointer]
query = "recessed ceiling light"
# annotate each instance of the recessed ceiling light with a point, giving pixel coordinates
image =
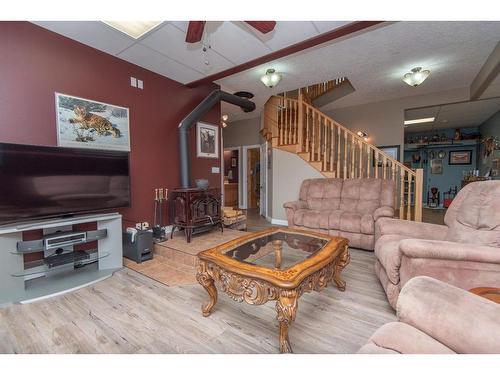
(134, 29)
(419, 120)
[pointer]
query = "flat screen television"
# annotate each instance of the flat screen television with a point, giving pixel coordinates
(41, 182)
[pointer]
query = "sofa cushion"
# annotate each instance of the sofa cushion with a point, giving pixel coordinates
(388, 254)
(361, 195)
(474, 216)
(309, 218)
(406, 339)
(321, 193)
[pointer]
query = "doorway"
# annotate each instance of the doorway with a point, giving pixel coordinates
(253, 179)
(232, 177)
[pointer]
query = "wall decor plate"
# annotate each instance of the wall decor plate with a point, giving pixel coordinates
(441, 154)
(90, 124)
(432, 155)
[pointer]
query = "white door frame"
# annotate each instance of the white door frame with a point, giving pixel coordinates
(240, 183)
(244, 180)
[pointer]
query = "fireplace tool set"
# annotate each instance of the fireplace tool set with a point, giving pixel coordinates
(160, 202)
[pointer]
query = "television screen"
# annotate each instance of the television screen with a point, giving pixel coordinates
(38, 181)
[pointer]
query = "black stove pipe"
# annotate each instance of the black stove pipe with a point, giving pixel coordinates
(212, 99)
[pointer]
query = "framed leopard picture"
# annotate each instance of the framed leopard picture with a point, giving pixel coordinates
(91, 124)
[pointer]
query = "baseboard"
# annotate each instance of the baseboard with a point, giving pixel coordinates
(279, 222)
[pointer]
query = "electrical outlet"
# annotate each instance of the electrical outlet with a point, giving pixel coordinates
(133, 81)
(140, 84)
(138, 226)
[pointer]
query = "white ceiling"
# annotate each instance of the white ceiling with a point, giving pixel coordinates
(164, 50)
(456, 115)
(375, 62)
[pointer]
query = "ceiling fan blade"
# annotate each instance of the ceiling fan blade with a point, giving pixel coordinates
(195, 31)
(263, 26)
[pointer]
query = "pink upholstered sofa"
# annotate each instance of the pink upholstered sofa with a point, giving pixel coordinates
(438, 318)
(465, 252)
(347, 208)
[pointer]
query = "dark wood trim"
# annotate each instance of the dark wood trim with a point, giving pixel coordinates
(195, 31)
(294, 48)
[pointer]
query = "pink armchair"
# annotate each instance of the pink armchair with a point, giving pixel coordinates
(347, 208)
(438, 318)
(464, 252)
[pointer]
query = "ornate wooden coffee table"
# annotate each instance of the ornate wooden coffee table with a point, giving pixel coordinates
(275, 264)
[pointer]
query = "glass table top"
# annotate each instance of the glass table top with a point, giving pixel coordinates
(278, 250)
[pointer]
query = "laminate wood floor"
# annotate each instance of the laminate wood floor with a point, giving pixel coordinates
(130, 313)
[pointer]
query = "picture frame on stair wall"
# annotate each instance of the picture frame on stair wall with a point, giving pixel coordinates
(391, 151)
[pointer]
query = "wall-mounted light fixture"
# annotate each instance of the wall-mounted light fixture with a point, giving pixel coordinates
(363, 135)
(223, 120)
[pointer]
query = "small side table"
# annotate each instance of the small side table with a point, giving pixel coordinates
(493, 294)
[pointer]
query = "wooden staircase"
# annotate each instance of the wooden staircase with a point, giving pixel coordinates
(294, 125)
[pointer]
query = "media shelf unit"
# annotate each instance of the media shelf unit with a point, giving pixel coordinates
(26, 282)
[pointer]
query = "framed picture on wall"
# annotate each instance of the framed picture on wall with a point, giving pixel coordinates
(90, 124)
(207, 140)
(392, 151)
(437, 166)
(462, 157)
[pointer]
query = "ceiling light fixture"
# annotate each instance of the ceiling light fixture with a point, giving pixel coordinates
(416, 77)
(134, 29)
(271, 78)
(419, 120)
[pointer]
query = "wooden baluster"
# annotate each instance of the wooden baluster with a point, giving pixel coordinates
(368, 159)
(345, 155)
(353, 156)
(300, 135)
(419, 181)
(313, 136)
(325, 143)
(402, 193)
(384, 167)
(408, 203)
(337, 153)
(332, 142)
(308, 128)
(376, 157)
(360, 170)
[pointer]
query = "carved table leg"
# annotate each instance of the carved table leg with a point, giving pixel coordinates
(208, 283)
(286, 306)
(343, 261)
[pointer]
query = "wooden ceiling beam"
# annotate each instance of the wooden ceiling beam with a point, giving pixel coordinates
(195, 31)
(340, 32)
(489, 71)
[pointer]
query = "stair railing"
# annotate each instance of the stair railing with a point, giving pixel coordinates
(335, 151)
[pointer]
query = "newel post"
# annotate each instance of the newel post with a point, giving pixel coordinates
(419, 182)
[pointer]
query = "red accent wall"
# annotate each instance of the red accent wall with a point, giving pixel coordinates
(35, 63)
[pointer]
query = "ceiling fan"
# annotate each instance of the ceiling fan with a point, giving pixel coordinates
(195, 29)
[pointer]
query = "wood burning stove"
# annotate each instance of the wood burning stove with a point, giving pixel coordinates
(195, 210)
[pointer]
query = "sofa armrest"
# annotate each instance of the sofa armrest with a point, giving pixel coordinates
(455, 317)
(447, 250)
(411, 229)
(297, 205)
(383, 211)
(290, 208)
